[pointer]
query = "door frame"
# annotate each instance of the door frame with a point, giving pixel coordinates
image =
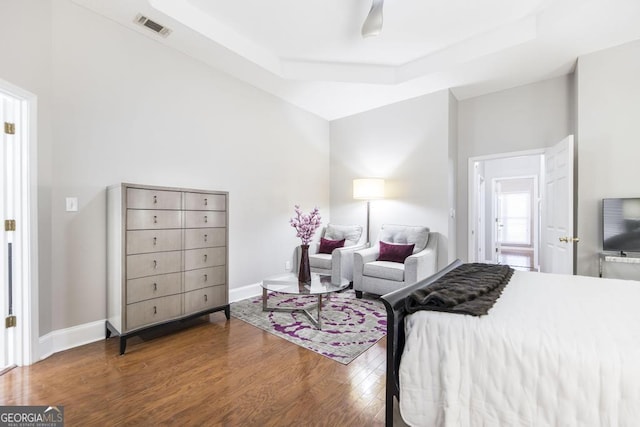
(26, 295)
(472, 200)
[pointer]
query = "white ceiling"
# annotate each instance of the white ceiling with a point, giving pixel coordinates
(311, 53)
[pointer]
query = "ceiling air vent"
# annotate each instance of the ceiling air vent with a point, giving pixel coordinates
(152, 25)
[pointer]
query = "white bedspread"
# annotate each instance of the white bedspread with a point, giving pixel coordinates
(554, 350)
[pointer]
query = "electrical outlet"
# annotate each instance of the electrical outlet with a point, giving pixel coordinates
(287, 265)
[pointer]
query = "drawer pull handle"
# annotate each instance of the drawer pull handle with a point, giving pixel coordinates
(155, 264)
(205, 257)
(155, 200)
(155, 240)
(155, 219)
(205, 297)
(206, 219)
(155, 287)
(205, 202)
(205, 237)
(206, 277)
(155, 311)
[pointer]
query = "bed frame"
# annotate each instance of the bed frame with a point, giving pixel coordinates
(394, 303)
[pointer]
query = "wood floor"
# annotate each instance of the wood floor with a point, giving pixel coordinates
(216, 372)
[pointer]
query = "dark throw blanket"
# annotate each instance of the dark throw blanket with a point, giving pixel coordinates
(469, 289)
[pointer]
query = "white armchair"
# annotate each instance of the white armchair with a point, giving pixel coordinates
(381, 277)
(338, 263)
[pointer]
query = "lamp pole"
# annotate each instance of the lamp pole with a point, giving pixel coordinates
(368, 228)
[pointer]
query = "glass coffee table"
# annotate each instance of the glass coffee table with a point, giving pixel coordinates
(288, 284)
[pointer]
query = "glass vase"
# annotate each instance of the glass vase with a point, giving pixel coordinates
(304, 274)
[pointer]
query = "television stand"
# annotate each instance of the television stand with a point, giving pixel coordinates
(620, 258)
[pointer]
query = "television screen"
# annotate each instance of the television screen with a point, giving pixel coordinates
(621, 225)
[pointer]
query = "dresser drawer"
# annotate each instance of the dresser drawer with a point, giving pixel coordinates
(153, 287)
(201, 299)
(195, 238)
(201, 258)
(142, 241)
(204, 219)
(205, 202)
(153, 264)
(153, 311)
(142, 219)
(203, 277)
(138, 198)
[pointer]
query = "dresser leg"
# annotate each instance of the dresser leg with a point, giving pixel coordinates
(227, 311)
(107, 331)
(123, 345)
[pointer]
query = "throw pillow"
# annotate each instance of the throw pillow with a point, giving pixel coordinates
(394, 253)
(327, 246)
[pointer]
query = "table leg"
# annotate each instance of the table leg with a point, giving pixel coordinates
(264, 299)
(319, 311)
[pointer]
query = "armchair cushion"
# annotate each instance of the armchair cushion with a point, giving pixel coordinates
(327, 246)
(384, 270)
(319, 260)
(405, 234)
(395, 252)
(350, 233)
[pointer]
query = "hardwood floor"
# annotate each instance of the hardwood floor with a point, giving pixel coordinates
(216, 372)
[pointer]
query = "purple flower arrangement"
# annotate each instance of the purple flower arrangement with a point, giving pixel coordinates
(305, 224)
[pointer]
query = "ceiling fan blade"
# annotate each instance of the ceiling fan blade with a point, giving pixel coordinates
(373, 24)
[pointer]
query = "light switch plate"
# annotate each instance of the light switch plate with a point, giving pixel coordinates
(72, 204)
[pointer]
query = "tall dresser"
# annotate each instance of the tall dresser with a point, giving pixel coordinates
(166, 256)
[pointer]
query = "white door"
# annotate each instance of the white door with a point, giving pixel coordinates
(18, 193)
(557, 212)
(497, 222)
(7, 174)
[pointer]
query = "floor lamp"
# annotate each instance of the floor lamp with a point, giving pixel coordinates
(368, 189)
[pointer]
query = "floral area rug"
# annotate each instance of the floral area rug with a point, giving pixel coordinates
(349, 325)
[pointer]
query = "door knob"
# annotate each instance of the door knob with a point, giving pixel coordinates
(569, 239)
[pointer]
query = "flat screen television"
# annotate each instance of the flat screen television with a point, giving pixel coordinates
(621, 225)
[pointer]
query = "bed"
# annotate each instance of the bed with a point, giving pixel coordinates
(553, 350)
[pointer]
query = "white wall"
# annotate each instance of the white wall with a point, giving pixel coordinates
(608, 146)
(453, 177)
(125, 108)
(25, 29)
(523, 118)
(407, 144)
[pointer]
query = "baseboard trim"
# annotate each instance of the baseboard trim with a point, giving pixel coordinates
(64, 339)
(237, 294)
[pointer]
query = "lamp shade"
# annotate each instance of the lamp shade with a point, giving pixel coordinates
(368, 188)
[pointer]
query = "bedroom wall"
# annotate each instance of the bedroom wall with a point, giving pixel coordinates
(608, 149)
(407, 144)
(528, 117)
(26, 62)
(124, 108)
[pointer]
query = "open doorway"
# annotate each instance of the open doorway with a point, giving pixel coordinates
(551, 207)
(505, 209)
(516, 222)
